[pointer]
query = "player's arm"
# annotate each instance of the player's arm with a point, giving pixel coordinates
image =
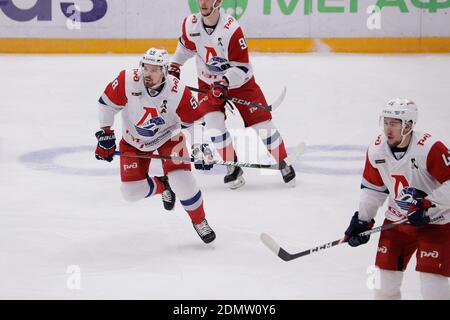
(191, 117)
(239, 72)
(420, 207)
(373, 191)
(373, 194)
(438, 166)
(185, 50)
(110, 103)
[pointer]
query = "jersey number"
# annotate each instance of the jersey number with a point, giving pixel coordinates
(194, 103)
(243, 44)
(446, 160)
(115, 84)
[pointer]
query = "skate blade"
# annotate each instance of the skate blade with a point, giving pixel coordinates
(291, 184)
(239, 182)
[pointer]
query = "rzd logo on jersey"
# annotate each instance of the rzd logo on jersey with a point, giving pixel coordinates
(148, 125)
(432, 254)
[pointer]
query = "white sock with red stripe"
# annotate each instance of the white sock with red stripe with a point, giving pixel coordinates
(220, 137)
(434, 286)
(186, 189)
(272, 139)
(137, 190)
(387, 286)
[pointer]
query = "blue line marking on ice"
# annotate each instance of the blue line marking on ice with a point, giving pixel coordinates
(44, 160)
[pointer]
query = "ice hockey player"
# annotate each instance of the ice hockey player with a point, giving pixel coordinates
(223, 68)
(412, 169)
(153, 105)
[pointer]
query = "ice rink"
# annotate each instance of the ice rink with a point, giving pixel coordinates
(62, 212)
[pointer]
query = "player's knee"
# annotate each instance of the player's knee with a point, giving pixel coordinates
(183, 183)
(434, 286)
(264, 125)
(267, 131)
(215, 122)
(389, 285)
(134, 191)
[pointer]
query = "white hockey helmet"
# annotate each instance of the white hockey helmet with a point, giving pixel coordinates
(158, 57)
(402, 109)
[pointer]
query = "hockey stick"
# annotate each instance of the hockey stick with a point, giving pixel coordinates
(286, 256)
(289, 160)
(271, 107)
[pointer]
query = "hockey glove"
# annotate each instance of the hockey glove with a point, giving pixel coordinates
(202, 156)
(174, 70)
(357, 226)
(414, 204)
(218, 90)
(106, 145)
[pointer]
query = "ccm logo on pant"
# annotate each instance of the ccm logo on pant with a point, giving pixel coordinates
(432, 254)
(134, 165)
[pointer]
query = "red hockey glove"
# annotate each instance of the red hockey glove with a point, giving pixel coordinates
(174, 70)
(106, 145)
(218, 90)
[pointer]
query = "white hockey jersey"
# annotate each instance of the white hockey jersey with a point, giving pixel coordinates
(147, 121)
(425, 166)
(226, 42)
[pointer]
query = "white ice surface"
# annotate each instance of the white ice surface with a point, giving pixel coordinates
(61, 207)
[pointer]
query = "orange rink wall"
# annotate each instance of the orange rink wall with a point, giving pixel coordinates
(294, 45)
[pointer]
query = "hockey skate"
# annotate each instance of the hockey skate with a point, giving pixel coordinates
(234, 178)
(204, 231)
(288, 174)
(168, 196)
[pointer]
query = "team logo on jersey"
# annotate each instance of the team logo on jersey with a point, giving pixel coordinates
(148, 125)
(400, 183)
(218, 64)
(235, 8)
(197, 34)
(220, 42)
(380, 161)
